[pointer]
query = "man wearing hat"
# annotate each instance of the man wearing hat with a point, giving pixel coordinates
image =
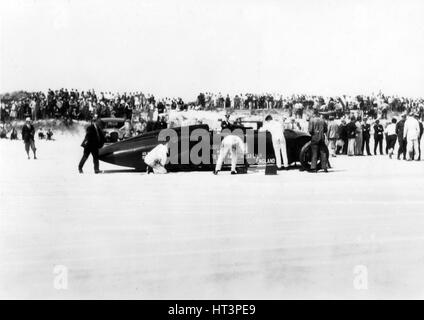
(28, 132)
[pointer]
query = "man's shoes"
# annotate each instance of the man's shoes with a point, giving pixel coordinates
(80, 170)
(233, 172)
(215, 172)
(35, 158)
(326, 170)
(283, 168)
(97, 171)
(313, 170)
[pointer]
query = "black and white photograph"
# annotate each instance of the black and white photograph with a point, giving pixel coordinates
(211, 150)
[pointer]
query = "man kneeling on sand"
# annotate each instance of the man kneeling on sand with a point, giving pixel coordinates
(156, 158)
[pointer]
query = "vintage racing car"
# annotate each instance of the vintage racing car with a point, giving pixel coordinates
(131, 152)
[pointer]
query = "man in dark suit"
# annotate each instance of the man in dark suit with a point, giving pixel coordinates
(93, 141)
(226, 124)
(342, 148)
(417, 116)
(317, 128)
(378, 137)
(401, 141)
(366, 134)
(28, 132)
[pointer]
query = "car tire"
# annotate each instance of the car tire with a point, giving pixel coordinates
(305, 156)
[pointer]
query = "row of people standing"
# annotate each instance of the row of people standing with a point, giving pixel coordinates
(353, 138)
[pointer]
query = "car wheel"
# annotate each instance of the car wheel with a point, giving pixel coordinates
(305, 156)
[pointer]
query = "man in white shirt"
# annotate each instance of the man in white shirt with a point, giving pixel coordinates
(391, 137)
(156, 158)
(411, 133)
(230, 144)
(278, 140)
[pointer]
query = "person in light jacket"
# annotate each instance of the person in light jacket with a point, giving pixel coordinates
(391, 135)
(278, 141)
(411, 133)
(156, 159)
(333, 135)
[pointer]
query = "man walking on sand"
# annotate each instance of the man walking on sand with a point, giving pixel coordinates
(28, 132)
(93, 141)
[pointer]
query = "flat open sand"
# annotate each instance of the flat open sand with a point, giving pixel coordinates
(199, 236)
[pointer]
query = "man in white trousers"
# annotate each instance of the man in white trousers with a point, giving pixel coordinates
(230, 144)
(411, 133)
(156, 159)
(278, 141)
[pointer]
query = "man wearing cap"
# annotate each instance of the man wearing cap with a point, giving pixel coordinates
(28, 132)
(93, 141)
(411, 133)
(278, 141)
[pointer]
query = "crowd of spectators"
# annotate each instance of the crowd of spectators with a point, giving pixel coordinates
(70, 105)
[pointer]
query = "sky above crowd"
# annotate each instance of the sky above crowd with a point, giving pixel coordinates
(181, 48)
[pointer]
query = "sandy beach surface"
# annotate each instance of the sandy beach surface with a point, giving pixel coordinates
(198, 236)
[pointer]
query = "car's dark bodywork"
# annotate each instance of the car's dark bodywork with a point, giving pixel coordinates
(130, 152)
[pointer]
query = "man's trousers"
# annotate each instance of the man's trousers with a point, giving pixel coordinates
(280, 150)
(95, 154)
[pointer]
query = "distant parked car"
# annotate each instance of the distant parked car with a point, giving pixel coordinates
(111, 128)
